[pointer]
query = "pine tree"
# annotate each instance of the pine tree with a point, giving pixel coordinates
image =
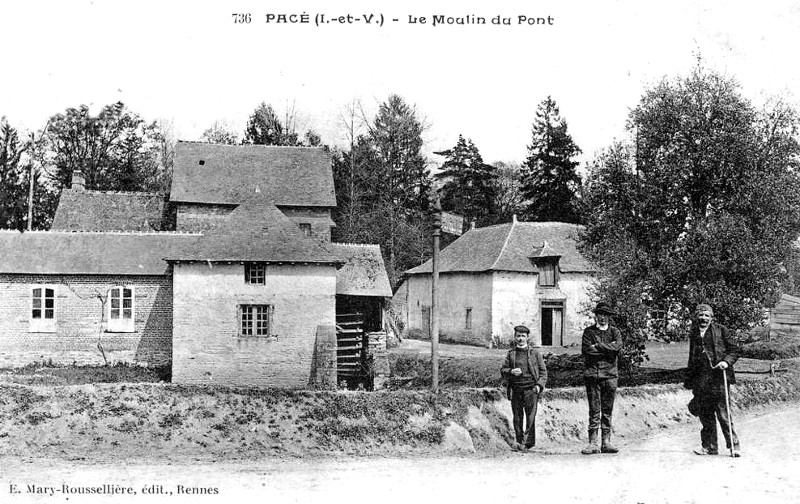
(469, 187)
(549, 179)
(13, 187)
(264, 127)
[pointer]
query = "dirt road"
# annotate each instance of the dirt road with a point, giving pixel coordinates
(661, 469)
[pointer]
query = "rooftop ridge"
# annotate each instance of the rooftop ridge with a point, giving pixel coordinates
(370, 245)
(137, 233)
(505, 244)
(126, 193)
(200, 142)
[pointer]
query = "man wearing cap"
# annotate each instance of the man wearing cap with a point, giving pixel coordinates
(600, 346)
(712, 352)
(526, 376)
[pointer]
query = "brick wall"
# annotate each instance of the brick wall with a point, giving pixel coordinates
(80, 321)
(207, 347)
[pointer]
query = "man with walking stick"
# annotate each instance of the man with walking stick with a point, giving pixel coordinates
(712, 353)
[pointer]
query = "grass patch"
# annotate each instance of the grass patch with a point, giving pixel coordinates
(48, 373)
(780, 345)
(414, 371)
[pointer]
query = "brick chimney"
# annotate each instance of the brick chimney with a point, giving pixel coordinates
(78, 182)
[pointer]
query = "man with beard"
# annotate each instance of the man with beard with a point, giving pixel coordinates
(712, 352)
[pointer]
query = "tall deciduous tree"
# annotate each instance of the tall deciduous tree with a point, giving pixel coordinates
(508, 191)
(116, 150)
(470, 185)
(220, 132)
(549, 180)
(702, 206)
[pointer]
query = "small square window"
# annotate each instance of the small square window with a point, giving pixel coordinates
(255, 320)
(305, 227)
(255, 273)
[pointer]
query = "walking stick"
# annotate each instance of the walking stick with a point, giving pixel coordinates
(728, 407)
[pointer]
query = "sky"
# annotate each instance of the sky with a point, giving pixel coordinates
(190, 63)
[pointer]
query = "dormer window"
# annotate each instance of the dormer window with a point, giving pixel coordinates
(305, 227)
(548, 272)
(546, 261)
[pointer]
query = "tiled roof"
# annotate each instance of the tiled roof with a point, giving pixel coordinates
(509, 247)
(287, 176)
(64, 252)
(257, 231)
(108, 211)
(363, 273)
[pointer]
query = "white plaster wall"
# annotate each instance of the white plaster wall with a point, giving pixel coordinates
(517, 297)
(458, 291)
(206, 345)
(514, 302)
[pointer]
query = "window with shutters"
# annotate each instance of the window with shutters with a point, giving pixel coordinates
(548, 274)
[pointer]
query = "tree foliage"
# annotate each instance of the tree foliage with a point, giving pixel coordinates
(220, 132)
(470, 185)
(508, 192)
(14, 178)
(264, 127)
(702, 206)
(116, 150)
(383, 185)
(549, 179)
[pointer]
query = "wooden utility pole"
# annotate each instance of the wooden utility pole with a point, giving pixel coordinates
(437, 233)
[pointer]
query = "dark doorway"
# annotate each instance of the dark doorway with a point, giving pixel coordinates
(552, 323)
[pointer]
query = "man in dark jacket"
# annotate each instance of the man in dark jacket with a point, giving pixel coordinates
(600, 346)
(526, 375)
(712, 352)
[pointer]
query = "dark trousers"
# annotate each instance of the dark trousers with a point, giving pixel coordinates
(716, 411)
(600, 392)
(523, 405)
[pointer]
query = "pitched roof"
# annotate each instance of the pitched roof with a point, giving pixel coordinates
(510, 247)
(80, 210)
(288, 176)
(256, 231)
(65, 252)
(363, 273)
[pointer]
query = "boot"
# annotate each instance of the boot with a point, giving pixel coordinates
(606, 446)
(592, 446)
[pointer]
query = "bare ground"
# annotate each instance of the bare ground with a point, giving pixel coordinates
(654, 470)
